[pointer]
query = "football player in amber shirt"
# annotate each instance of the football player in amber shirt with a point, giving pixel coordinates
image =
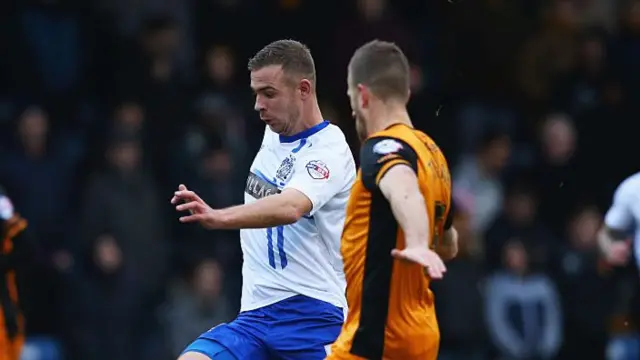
(13, 249)
(398, 225)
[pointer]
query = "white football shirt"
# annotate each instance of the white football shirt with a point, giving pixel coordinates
(301, 258)
(624, 213)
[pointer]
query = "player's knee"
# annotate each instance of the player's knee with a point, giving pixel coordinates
(192, 355)
(220, 355)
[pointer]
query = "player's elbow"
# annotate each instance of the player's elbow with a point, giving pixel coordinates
(290, 214)
(292, 206)
(291, 211)
(448, 253)
(448, 250)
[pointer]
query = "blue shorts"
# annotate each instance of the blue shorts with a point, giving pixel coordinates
(298, 328)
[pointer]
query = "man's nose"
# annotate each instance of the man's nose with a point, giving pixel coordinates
(258, 106)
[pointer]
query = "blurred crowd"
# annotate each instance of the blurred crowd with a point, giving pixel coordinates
(107, 105)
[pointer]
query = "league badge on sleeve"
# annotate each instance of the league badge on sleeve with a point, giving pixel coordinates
(6, 208)
(317, 170)
(387, 146)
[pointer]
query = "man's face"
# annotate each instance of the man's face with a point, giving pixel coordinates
(277, 99)
(358, 113)
(130, 116)
(220, 64)
(208, 279)
(125, 156)
(33, 126)
(163, 42)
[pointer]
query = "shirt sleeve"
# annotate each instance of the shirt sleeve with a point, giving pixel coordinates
(619, 216)
(6, 208)
(380, 154)
(11, 224)
(321, 173)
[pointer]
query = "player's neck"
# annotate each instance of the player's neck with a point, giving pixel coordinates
(310, 118)
(387, 116)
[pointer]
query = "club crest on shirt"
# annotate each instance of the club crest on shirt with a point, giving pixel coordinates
(286, 168)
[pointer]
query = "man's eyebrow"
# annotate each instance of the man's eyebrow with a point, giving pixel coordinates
(263, 88)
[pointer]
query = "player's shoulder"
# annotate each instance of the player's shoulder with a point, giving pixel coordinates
(330, 136)
(330, 143)
(409, 137)
(381, 152)
(629, 186)
(383, 145)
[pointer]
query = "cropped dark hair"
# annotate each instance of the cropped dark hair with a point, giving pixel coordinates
(383, 67)
(294, 57)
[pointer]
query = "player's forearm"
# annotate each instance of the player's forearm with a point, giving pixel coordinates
(267, 212)
(607, 236)
(400, 186)
(411, 213)
(448, 247)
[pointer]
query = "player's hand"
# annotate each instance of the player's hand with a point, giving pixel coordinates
(618, 253)
(429, 259)
(188, 200)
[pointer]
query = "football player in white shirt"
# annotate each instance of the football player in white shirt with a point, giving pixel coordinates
(619, 239)
(621, 223)
(293, 292)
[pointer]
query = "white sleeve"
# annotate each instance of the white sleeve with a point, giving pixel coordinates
(619, 217)
(321, 173)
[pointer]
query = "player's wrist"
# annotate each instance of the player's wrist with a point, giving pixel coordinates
(416, 243)
(222, 217)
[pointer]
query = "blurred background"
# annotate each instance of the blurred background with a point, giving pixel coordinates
(107, 105)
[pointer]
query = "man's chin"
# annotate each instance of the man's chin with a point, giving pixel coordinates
(275, 129)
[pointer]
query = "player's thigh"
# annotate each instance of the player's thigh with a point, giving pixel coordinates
(308, 332)
(312, 353)
(242, 337)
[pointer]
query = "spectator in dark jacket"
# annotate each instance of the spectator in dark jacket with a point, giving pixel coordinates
(522, 309)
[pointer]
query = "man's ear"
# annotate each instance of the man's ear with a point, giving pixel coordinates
(306, 88)
(364, 95)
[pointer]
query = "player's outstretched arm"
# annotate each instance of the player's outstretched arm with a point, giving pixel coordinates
(281, 209)
(275, 210)
(613, 240)
(614, 245)
(319, 174)
(400, 186)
